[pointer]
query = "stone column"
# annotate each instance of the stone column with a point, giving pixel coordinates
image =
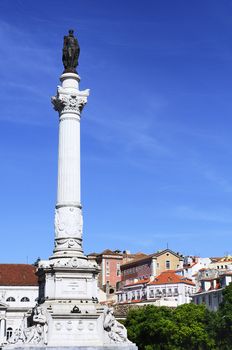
(2, 331)
(69, 102)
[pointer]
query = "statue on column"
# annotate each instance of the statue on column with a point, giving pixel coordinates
(71, 52)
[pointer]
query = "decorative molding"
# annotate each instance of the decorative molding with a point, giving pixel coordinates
(69, 101)
(69, 262)
(68, 224)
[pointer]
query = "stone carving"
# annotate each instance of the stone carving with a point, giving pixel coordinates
(116, 332)
(80, 326)
(91, 326)
(36, 333)
(68, 223)
(73, 262)
(69, 262)
(71, 52)
(58, 326)
(65, 102)
(65, 243)
(69, 325)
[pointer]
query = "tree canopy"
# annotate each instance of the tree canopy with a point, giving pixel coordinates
(162, 328)
(189, 326)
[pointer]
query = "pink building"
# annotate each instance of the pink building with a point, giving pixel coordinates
(110, 262)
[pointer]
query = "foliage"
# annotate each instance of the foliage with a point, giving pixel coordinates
(223, 321)
(162, 328)
(188, 326)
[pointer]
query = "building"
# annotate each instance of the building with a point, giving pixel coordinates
(211, 285)
(167, 289)
(18, 294)
(110, 273)
(150, 266)
(191, 266)
(222, 263)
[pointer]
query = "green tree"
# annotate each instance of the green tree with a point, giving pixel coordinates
(194, 323)
(150, 327)
(223, 321)
(160, 328)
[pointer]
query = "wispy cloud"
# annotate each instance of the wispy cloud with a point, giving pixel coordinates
(189, 213)
(218, 179)
(21, 51)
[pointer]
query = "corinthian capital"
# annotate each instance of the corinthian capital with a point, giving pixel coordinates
(69, 101)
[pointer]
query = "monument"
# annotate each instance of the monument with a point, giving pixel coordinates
(68, 313)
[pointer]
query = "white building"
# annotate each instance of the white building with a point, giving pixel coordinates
(167, 289)
(191, 266)
(212, 282)
(18, 293)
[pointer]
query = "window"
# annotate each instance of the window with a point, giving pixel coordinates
(168, 264)
(25, 299)
(10, 299)
(157, 264)
(151, 294)
(9, 332)
(118, 270)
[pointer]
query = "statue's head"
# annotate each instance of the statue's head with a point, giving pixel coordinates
(70, 32)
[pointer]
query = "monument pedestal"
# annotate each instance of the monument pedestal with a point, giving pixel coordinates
(68, 315)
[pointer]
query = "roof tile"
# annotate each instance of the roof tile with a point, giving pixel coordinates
(18, 275)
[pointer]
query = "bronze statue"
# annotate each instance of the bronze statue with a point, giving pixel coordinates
(71, 52)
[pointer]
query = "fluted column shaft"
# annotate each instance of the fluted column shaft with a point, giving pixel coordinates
(69, 102)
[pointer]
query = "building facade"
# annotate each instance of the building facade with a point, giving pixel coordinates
(110, 262)
(167, 289)
(18, 294)
(192, 265)
(211, 285)
(150, 266)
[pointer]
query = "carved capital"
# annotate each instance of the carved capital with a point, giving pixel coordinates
(69, 101)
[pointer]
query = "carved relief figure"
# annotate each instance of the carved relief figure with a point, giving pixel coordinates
(68, 222)
(36, 334)
(116, 331)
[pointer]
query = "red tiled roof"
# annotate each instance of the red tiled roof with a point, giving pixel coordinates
(169, 277)
(18, 275)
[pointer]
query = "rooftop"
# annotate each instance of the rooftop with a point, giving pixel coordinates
(145, 257)
(18, 275)
(170, 277)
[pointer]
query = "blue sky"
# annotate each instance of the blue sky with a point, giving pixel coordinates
(156, 132)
